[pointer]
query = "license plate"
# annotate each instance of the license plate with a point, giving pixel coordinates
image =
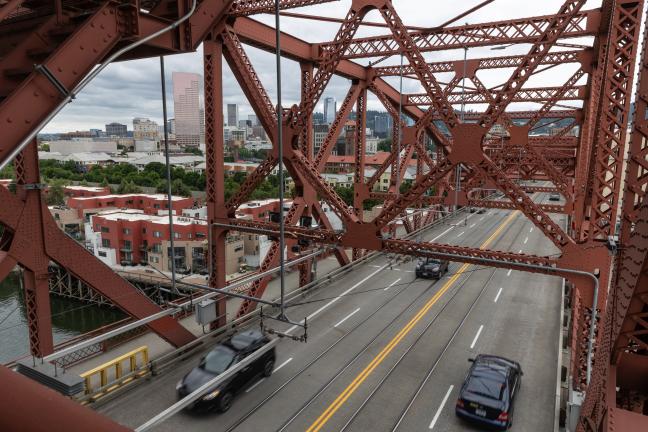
(480, 412)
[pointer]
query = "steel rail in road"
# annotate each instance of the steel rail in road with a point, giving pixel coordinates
(205, 388)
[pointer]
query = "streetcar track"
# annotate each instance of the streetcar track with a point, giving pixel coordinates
(438, 358)
(421, 335)
(350, 362)
(259, 405)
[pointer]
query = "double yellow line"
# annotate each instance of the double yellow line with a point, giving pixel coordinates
(362, 376)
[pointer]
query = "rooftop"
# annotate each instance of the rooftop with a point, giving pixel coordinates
(157, 197)
(86, 188)
(139, 215)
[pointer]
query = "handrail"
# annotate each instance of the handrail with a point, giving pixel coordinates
(120, 378)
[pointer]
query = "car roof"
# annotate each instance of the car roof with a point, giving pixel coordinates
(496, 362)
(244, 340)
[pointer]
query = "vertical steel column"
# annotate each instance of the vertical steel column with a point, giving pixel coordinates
(306, 135)
(35, 275)
(359, 168)
(214, 157)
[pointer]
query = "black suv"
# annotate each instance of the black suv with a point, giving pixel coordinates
(554, 197)
(221, 358)
(431, 268)
(488, 392)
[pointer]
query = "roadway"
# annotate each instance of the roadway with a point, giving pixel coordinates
(387, 351)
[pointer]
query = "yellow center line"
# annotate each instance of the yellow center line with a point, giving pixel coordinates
(360, 378)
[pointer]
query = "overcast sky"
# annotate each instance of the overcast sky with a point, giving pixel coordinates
(132, 89)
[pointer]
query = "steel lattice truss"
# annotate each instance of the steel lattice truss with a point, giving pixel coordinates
(496, 146)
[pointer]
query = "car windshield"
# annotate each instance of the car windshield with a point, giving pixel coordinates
(485, 386)
(218, 360)
(433, 261)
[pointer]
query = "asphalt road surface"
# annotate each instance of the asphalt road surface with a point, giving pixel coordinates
(387, 351)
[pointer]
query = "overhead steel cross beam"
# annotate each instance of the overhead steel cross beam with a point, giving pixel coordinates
(536, 94)
(552, 59)
(523, 30)
(555, 29)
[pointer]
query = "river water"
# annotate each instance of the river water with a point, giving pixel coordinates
(69, 318)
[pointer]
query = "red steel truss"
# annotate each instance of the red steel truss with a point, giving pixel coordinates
(582, 155)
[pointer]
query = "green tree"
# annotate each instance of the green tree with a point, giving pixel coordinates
(55, 192)
(193, 150)
(45, 147)
(346, 193)
(128, 187)
(385, 145)
(7, 172)
(177, 188)
(405, 186)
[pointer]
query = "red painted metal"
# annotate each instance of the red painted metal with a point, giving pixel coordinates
(53, 409)
(586, 169)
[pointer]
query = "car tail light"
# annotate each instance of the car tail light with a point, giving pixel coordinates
(503, 416)
(460, 403)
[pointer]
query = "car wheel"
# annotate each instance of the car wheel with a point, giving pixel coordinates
(268, 368)
(225, 402)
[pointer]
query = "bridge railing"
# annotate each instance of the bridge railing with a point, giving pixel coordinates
(114, 374)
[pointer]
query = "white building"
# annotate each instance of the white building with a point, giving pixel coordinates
(371, 146)
(147, 145)
(67, 147)
(145, 129)
(258, 145)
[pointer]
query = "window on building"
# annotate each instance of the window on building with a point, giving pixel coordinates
(127, 231)
(189, 235)
(128, 245)
(141, 201)
(157, 234)
(177, 235)
(200, 235)
(143, 230)
(156, 206)
(105, 243)
(238, 248)
(102, 254)
(105, 229)
(129, 201)
(157, 248)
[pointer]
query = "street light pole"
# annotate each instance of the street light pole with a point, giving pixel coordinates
(462, 116)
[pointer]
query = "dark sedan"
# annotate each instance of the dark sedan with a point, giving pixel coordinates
(431, 268)
(489, 390)
(221, 358)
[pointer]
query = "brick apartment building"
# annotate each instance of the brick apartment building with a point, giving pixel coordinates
(131, 237)
(85, 191)
(151, 204)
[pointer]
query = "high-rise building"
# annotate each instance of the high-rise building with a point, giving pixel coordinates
(320, 132)
(383, 125)
(232, 115)
(202, 126)
(330, 109)
(186, 105)
(254, 120)
(144, 128)
(116, 129)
